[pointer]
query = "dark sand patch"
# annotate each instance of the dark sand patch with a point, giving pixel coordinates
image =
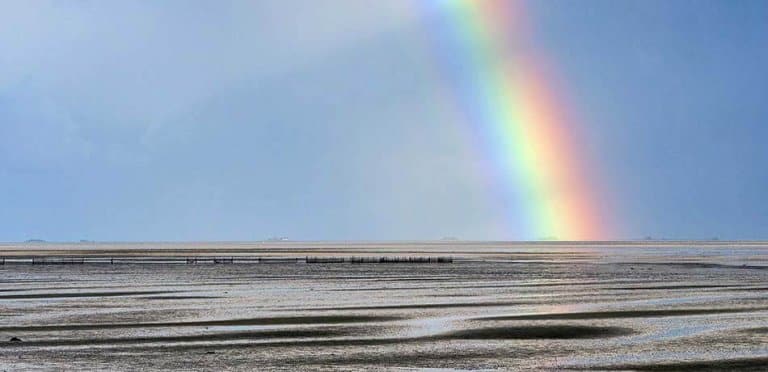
(692, 286)
(745, 364)
(339, 342)
(376, 289)
(310, 344)
(108, 287)
(748, 289)
(450, 295)
(420, 306)
(288, 320)
(166, 343)
(232, 336)
(698, 265)
(413, 359)
(179, 298)
(80, 294)
(564, 332)
(412, 279)
(760, 330)
(536, 332)
(510, 285)
(620, 314)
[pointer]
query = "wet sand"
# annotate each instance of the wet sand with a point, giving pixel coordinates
(654, 307)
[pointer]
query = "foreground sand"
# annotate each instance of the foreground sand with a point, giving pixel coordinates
(682, 306)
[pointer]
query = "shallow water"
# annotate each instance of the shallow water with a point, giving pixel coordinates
(499, 306)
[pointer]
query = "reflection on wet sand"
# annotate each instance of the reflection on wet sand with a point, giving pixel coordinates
(555, 307)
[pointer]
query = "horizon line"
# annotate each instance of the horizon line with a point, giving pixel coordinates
(395, 241)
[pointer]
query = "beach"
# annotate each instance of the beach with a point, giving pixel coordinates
(495, 305)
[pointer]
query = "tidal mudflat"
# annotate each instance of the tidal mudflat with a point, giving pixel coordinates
(588, 306)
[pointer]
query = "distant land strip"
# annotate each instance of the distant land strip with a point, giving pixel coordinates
(79, 260)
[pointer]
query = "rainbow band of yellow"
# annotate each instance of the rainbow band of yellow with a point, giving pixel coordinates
(507, 96)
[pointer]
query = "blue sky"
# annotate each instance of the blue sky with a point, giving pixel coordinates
(184, 120)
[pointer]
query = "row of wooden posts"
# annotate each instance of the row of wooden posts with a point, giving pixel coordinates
(221, 260)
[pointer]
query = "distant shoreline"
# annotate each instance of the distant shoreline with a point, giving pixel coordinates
(400, 242)
(745, 254)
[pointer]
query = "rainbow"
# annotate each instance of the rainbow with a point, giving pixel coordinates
(506, 94)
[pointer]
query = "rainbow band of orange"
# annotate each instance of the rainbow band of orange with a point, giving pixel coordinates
(507, 97)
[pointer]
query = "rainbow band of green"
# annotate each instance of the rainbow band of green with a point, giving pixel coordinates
(506, 98)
